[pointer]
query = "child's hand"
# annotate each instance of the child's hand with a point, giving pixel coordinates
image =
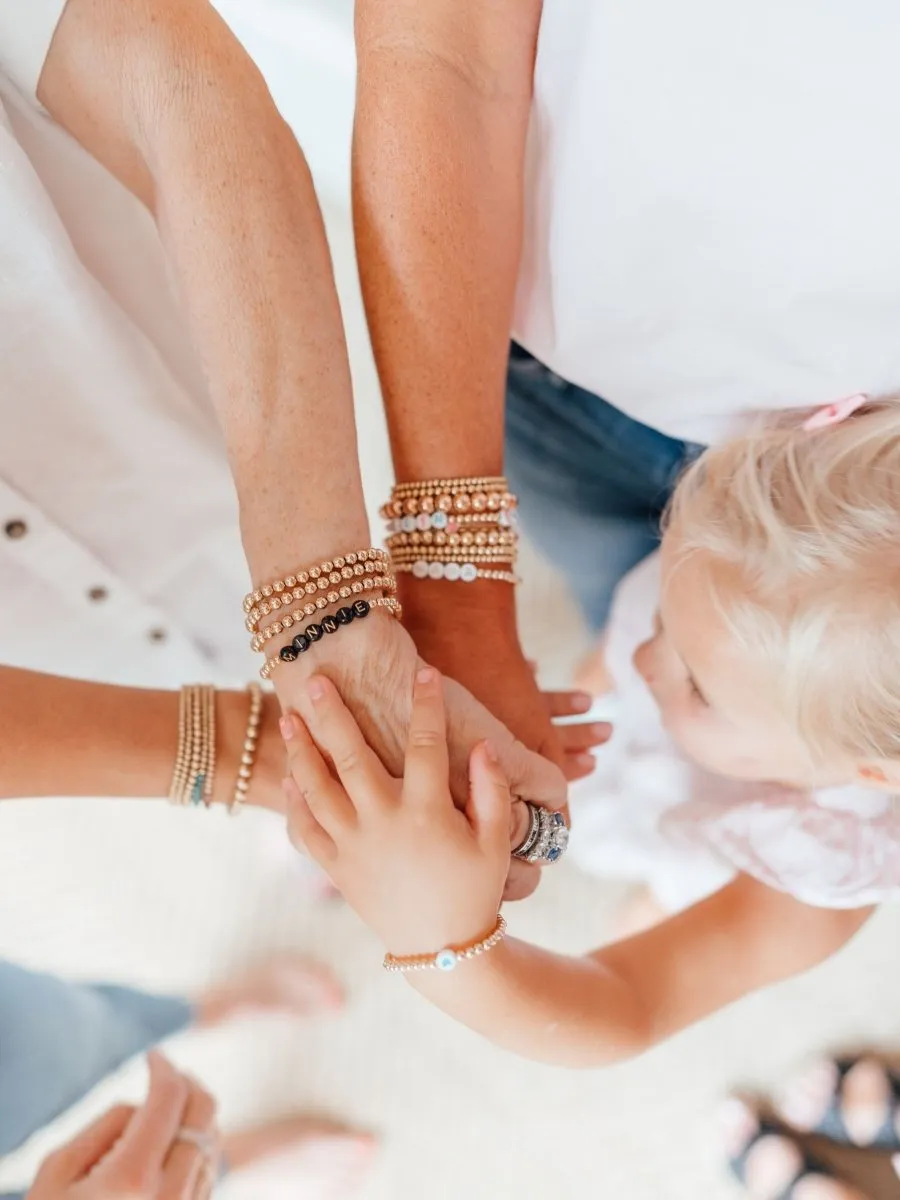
(421, 874)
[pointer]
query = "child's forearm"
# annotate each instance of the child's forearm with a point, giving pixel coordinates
(625, 997)
(68, 737)
(570, 1012)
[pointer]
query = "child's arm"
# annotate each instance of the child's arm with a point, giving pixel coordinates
(622, 999)
(424, 876)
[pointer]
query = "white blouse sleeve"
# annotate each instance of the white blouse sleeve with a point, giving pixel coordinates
(26, 31)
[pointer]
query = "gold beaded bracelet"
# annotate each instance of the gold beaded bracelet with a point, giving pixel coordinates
(248, 751)
(330, 571)
(384, 583)
(453, 556)
(450, 957)
(340, 583)
(462, 482)
(387, 602)
(460, 503)
(195, 758)
(481, 495)
(480, 540)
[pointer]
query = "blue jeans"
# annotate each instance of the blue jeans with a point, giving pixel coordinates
(592, 483)
(59, 1039)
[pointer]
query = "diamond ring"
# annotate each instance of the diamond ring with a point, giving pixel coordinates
(547, 836)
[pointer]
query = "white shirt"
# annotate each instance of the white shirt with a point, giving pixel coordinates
(713, 205)
(120, 557)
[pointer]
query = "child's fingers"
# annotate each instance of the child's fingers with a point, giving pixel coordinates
(568, 704)
(305, 832)
(427, 770)
(490, 802)
(324, 795)
(336, 732)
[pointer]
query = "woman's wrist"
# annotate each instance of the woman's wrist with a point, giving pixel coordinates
(350, 656)
(435, 606)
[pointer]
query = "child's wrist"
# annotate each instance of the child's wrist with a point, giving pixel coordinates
(452, 955)
(458, 930)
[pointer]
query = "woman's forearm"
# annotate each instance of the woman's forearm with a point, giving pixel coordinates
(443, 98)
(68, 737)
(161, 92)
(239, 216)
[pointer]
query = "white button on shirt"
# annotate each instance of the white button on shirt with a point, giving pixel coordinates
(120, 556)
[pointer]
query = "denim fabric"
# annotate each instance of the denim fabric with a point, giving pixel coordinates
(59, 1039)
(592, 483)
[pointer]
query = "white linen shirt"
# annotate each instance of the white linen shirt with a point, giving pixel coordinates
(711, 206)
(120, 556)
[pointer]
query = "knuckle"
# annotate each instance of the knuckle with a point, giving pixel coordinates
(425, 739)
(348, 759)
(133, 1183)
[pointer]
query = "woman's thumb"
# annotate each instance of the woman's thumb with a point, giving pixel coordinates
(489, 795)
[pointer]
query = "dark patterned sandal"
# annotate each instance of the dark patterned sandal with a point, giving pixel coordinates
(772, 1166)
(852, 1102)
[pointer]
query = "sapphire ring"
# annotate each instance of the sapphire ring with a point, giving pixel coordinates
(547, 836)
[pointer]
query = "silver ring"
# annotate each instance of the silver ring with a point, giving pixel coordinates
(205, 1142)
(534, 828)
(547, 837)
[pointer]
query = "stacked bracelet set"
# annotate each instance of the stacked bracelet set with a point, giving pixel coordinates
(454, 529)
(195, 759)
(351, 582)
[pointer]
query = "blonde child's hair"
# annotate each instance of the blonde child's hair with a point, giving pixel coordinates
(800, 530)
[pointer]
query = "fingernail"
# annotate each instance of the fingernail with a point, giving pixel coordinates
(601, 731)
(491, 751)
(425, 675)
(287, 726)
(582, 701)
(315, 689)
(586, 760)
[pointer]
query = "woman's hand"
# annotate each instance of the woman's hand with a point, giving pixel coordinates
(421, 873)
(476, 642)
(576, 741)
(137, 1153)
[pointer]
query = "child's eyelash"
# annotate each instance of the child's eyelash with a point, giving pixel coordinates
(696, 693)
